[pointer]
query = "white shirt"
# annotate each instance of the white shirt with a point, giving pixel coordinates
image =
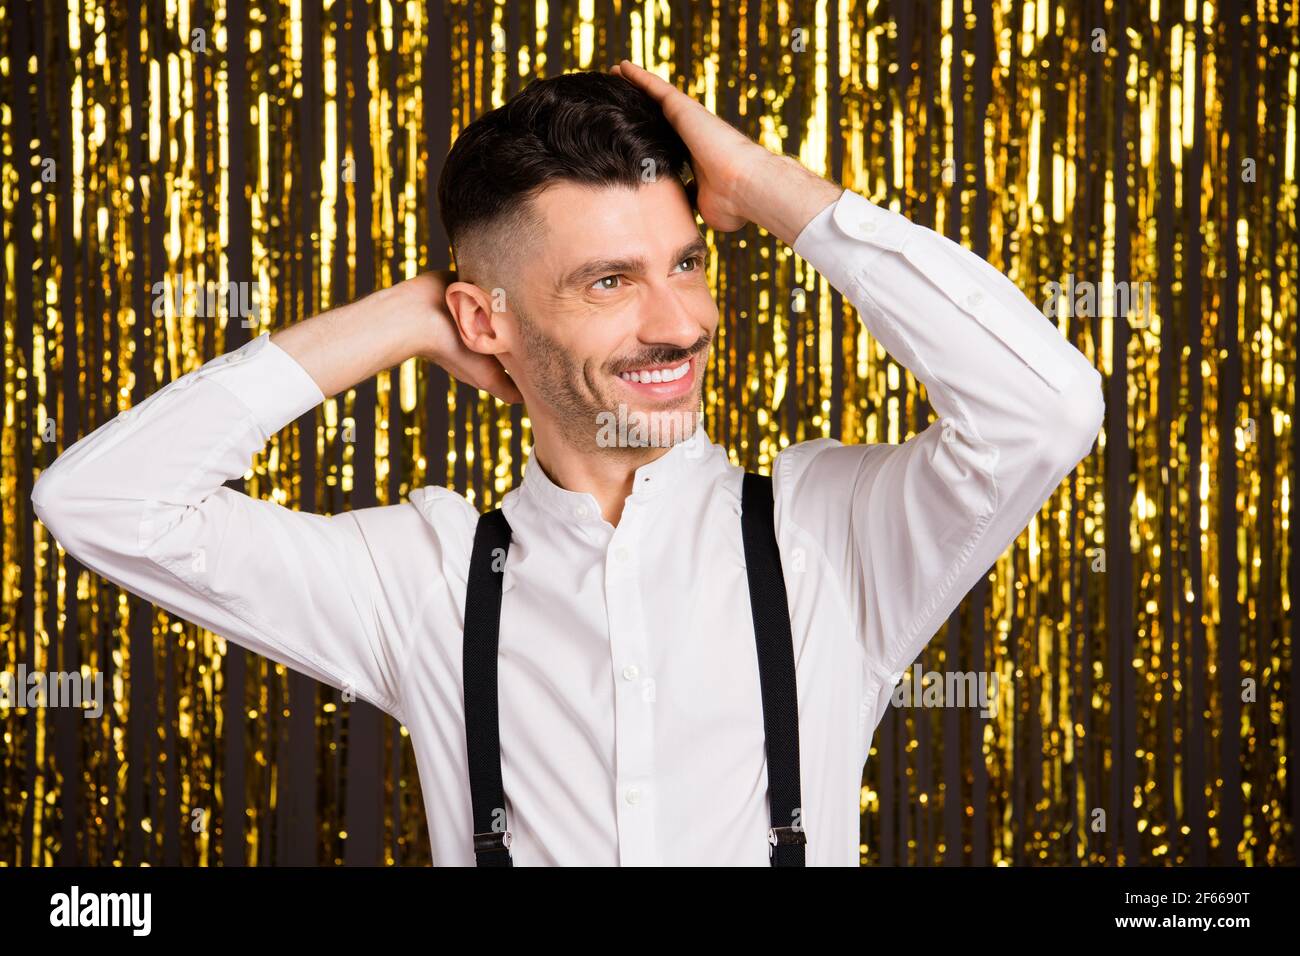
(630, 713)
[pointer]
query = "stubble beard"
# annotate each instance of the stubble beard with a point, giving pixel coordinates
(580, 400)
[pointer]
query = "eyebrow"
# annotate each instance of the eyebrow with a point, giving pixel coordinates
(594, 269)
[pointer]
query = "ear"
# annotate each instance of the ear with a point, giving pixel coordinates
(478, 316)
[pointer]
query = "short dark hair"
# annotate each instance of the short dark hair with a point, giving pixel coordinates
(591, 128)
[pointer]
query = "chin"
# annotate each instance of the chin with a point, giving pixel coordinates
(648, 425)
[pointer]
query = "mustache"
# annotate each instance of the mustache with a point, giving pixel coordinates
(664, 355)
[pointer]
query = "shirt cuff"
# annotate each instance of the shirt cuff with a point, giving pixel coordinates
(822, 243)
(270, 383)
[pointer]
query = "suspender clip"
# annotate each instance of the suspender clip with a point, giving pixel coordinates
(492, 840)
(786, 836)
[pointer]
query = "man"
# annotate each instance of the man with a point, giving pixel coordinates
(631, 719)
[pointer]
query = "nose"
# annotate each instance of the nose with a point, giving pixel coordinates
(667, 318)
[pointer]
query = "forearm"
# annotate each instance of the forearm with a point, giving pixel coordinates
(1016, 407)
(141, 501)
(782, 195)
(173, 449)
(352, 342)
(992, 364)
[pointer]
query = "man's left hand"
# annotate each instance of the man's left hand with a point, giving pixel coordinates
(723, 159)
(737, 179)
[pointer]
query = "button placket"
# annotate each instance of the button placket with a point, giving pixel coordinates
(633, 712)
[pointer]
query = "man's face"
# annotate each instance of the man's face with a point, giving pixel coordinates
(614, 314)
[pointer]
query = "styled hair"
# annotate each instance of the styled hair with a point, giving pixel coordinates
(590, 128)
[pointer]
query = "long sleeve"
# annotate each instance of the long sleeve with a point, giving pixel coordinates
(141, 501)
(909, 528)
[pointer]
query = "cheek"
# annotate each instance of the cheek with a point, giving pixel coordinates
(602, 334)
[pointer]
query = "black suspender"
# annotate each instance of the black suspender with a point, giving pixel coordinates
(767, 598)
(482, 731)
(775, 669)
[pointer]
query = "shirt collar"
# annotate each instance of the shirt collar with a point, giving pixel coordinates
(653, 478)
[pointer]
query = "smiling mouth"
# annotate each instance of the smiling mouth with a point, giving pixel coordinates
(661, 381)
(657, 373)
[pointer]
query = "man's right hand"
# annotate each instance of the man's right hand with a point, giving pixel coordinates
(353, 342)
(444, 346)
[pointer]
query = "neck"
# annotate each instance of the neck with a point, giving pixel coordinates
(606, 474)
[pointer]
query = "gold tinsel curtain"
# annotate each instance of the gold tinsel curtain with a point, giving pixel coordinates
(1141, 627)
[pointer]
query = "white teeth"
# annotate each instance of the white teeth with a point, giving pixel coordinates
(658, 375)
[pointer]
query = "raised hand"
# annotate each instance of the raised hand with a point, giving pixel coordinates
(723, 159)
(442, 342)
(738, 180)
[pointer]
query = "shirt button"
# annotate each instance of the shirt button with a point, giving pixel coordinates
(580, 511)
(974, 299)
(621, 554)
(866, 227)
(633, 795)
(630, 672)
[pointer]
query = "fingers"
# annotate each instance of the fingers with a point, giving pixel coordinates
(497, 382)
(506, 390)
(658, 88)
(487, 373)
(500, 388)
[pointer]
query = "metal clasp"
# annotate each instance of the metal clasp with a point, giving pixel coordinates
(492, 840)
(786, 836)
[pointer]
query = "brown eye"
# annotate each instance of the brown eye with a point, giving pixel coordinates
(597, 284)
